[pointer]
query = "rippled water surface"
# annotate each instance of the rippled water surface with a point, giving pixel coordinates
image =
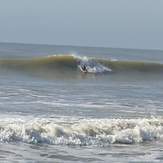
(50, 111)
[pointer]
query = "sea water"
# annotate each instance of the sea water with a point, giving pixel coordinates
(50, 111)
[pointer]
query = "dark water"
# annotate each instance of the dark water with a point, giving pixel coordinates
(50, 111)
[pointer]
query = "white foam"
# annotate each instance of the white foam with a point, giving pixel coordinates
(83, 132)
(91, 65)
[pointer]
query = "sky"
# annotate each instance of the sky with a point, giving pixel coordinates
(102, 23)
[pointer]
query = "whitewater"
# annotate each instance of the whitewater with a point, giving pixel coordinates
(83, 132)
(51, 111)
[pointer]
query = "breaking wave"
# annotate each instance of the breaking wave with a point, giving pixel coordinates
(85, 132)
(73, 64)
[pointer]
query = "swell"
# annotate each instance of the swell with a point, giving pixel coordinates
(119, 66)
(44, 62)
(69, 64)
(84, 132)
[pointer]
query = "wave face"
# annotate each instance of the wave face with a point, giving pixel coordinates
(72, 64)
(86, 132)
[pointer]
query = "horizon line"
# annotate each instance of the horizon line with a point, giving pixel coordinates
(81, 46)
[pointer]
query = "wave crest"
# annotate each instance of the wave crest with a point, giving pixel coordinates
(98, 132)
(71, 64)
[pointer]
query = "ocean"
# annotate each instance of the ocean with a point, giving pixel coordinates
(51, 111)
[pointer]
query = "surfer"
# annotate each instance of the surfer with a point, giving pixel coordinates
(84, 68)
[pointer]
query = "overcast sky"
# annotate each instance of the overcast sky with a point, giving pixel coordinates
(108, 23)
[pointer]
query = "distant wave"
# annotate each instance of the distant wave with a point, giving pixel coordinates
(85, 132)
(71, 64)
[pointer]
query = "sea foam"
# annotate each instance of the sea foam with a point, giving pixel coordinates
(84, 132)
